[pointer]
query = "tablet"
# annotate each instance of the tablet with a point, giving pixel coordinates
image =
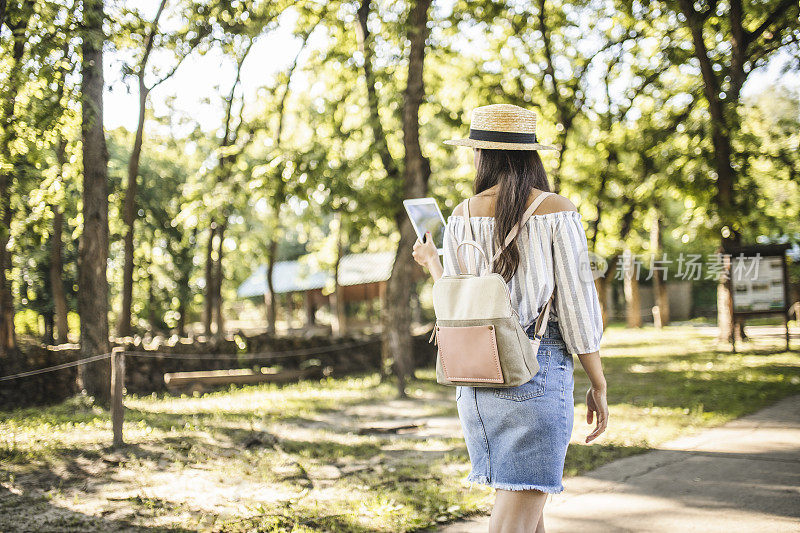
(425, 216)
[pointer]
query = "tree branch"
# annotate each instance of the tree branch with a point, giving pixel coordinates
(548, 54)
(647, 81)
(202, 32)
(378, 133)
(169, 74)
(766, 50)
(2, 13)
(738, 49)
(770, 20)
(226, 140)
(282, 103)
(711, 83)
(148, 42)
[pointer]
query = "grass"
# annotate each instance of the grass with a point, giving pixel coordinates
(291, 458)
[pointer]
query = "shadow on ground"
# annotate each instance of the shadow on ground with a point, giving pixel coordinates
(32, 511)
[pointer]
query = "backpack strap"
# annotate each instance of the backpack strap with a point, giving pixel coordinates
(541, 321)
(525, 216)
(468, 237)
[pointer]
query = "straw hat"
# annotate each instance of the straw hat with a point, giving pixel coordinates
(502, 127)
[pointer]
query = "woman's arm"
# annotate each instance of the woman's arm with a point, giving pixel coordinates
(428, 257)
(578, 308)
(596, 402)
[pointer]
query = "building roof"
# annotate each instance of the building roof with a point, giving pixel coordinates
(298, 276)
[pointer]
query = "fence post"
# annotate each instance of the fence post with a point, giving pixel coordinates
(117, 386)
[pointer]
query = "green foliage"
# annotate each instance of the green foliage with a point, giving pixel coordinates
(617, 85)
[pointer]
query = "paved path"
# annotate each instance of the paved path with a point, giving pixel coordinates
(740, 477)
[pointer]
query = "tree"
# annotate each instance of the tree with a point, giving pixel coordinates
(93, 249)
(17, 20)
(61, 119)
(728, 43)
(397, 344)
(129, 210)
(183, 43)
(230, 135)
(278, 191)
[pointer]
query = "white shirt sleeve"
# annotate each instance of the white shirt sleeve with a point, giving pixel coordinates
(576, 301)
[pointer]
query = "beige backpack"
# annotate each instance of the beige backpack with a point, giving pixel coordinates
(481, 342)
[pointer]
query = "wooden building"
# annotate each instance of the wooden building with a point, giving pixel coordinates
(362, 277)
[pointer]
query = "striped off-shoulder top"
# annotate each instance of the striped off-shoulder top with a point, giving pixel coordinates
(542, 266)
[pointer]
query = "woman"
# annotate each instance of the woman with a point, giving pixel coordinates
(517, 437)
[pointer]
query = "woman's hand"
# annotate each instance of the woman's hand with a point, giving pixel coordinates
(597, 408)
(425, 253)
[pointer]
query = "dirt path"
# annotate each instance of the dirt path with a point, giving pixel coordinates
(202, 478)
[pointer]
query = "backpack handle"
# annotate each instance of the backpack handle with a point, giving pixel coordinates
(461, 266)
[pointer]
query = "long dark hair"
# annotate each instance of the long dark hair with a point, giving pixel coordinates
(517, 172)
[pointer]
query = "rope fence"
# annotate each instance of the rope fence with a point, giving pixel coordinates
(258, 355)
(62, 366)
(118, 354)
(202, 356)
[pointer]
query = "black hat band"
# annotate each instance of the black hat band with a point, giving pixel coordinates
(502, 136)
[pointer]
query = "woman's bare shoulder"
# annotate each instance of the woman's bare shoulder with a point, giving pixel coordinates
(554, 204)
(479, 206)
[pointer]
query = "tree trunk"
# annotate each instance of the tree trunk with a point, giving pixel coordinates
(8, 336)
(129, 210)
(397, 313)
(185, 267)
(724, 313)
(338, 310)
(603, 285)
(129, 218)
(662, 300)
(310, 308)
(218, 277)
(93, 247)
(725, 322)
(378, 134)
(384, 369)
(726, 178)
(180, 326)
(57, 278)
(721, 142)
(270, 300)
(659, 283)
(151, 297)
(209, 303)
(49, 326)
(633, 313)
(633, 302)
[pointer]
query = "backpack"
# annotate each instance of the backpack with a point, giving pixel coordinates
(480, 339)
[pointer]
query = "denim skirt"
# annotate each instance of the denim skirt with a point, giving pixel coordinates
(517, 437)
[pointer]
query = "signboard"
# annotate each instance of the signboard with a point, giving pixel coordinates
(758, 284)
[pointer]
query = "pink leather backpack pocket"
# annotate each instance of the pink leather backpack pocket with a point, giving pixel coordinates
(469, 353)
